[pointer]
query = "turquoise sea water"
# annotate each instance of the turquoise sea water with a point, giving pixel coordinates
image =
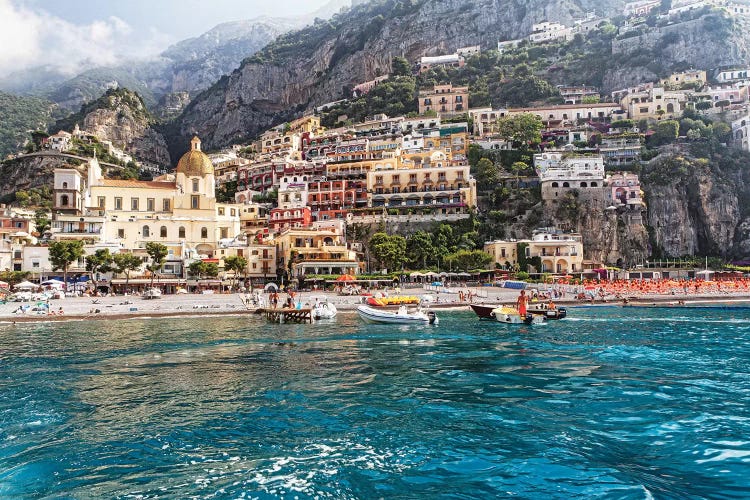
(612, 403)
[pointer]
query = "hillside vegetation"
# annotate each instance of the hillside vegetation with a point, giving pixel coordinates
(18, 116)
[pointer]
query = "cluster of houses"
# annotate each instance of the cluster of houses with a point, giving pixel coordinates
(300, 185)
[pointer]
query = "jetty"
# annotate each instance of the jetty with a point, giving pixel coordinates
(284, 315)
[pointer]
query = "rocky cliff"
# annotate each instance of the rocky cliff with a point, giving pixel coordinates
(310, 67)
(697, 206)
(31, 172)
(121, 117)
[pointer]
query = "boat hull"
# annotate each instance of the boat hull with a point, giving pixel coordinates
(324, 311)
(485, 312)
(375, 316)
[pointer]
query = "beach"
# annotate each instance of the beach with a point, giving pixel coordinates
(125, 307)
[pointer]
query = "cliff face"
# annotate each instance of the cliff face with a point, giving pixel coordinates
(694, 207)
(121, 117)
(30, 172)
(612, 236)
(310, 67)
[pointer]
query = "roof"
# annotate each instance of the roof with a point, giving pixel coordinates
(137, 184)
(569, 106)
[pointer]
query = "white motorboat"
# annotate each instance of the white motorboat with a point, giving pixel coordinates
(324, 310)
(152, 293)
(403, 316)
(511, 316)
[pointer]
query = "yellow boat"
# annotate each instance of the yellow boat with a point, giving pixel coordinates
(396, 300)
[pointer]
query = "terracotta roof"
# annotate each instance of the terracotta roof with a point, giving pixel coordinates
(137, 184)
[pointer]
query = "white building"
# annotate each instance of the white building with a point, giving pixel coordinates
(549, 31)
(732, 75)
(741, 133)
(59, 142)
(561, 172)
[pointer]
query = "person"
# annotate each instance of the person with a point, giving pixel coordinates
(551, 305)
(521, 303)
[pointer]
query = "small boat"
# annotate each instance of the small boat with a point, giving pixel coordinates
(403, 316)
(511, 316)
(543, 309)
(324, 310)
(152, 293)
(395, 300)
(538, 309)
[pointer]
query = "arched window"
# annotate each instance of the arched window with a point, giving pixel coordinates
(555, 184)
(146, 232)
(204, 232)
(65, 185)
(181, 232)
(583, 185)
(670, 108)
(163, 232)
(566, 184)
(64, 200)
(594, 184)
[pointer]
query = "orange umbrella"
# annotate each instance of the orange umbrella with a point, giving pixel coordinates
(346, 277)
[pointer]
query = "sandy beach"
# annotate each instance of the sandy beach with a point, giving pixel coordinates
(126, 307)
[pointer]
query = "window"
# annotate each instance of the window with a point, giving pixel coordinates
(195, 201)
(196, 186)
(181, 232)
(224, 232)
(204, 233)
(146, 232)
(100, 202)
(163, 232)
(64, 200)
(150, 205)
(166, 205)
(233, 212)
(221, 210)
(134, 204)
(121, 233)
(118, 203)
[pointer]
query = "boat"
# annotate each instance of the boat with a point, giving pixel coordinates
(324, 310)
(395, 300)
(402, 316)
(539, 309)
(543, 309)
(511, 316)
(152, 293)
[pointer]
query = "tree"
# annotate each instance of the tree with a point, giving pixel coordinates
(400, 67)
(467, 260)
(99, 262)
(486, 173)
(197, 268)
(63, 253)
(517, 168)
(389, 251)
(665, 132)
(124, 263)
(212, 269)
(41, 221)
(703, 105)
(419, 248)
(723, 104)
(523, 129)
(158, 255)
(236, 265)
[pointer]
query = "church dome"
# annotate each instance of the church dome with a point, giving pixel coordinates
(195, 163)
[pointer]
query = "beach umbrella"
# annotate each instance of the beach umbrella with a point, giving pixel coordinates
(25, 285)
(345, 277)
(3, 284)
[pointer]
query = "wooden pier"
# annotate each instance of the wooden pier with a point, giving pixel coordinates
(288, 315)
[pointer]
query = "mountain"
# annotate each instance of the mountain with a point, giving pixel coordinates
(311, 66)
(19, 115)
(191, 65)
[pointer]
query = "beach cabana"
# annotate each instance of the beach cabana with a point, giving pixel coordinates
(25, 285)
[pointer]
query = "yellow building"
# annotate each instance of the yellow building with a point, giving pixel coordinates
(179, 211)
(426, 181)
(446, 100)
(558, 253)
(310, 251)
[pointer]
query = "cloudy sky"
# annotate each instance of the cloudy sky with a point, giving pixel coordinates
(72, 33)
